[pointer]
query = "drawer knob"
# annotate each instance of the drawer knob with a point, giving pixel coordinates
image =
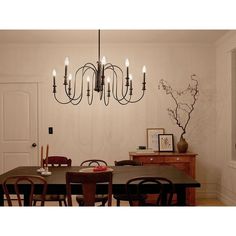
(151, 159)
(177, 158)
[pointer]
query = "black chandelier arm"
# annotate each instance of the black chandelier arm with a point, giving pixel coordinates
(115, 82)
(138, 98)
(121, 101)
(83, 70)
(122, 84)
(124, 95)
(90, 65)
(134, 101)
(60, 101)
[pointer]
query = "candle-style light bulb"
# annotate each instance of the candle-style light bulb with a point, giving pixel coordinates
(70, 77)
(66, 61)
(88, 79)
(130, 77)
(103, 60)
(54, 73)
(144, 69)
(127, 62)
(108, 81)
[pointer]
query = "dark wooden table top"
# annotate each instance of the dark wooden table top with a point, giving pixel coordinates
(121, 174)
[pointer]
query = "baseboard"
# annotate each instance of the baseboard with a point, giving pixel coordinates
(226, 196)
(207, 190)
(216, 191)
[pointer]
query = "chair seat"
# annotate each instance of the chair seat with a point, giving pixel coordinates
(124, 197)
(98, 198)
(49, 197)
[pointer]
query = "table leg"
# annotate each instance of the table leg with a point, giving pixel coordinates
(26, 199)
(1, 199)
(181, 196)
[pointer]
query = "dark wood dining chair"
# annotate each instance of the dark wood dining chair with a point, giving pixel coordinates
(99, 197)
(124, 197)
(55, 161)
(16, 181)
(89, 181)
(93, 162)
(162, 187)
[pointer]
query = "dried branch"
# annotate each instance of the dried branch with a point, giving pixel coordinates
(184, 102)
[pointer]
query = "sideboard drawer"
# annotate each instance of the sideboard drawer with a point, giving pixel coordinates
(177, 159)
(149, 159)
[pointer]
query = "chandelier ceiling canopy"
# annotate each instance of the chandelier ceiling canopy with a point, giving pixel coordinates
(106, 79)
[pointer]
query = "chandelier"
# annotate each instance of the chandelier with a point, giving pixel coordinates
(106, 79)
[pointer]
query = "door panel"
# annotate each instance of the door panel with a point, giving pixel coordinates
(18, 122)
(12, 160)
(16, 116)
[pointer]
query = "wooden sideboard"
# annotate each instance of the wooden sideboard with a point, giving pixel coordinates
(183, 161)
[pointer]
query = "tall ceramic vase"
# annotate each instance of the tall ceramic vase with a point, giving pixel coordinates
(182, 145)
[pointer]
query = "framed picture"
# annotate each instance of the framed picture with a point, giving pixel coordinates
(166, 142)
(152, 138)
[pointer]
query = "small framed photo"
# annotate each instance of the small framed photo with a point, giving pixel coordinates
(166, 142)
(152, 138)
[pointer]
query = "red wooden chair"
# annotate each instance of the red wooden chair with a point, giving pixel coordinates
(89, 183)
(99, 197)
(55, 161)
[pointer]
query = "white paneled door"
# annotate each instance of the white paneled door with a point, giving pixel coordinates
(18, 125)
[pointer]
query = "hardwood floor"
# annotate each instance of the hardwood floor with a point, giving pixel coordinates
(209, 202)
(199, 202)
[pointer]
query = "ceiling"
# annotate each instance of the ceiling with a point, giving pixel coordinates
(111, 36)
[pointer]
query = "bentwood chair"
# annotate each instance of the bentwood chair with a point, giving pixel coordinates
(17, 181)
(99, 197)
(162, 187)
(93, 162)
(124, 197)
(55, 161)
(89, 181)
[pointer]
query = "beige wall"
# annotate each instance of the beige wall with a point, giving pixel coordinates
(82, 132)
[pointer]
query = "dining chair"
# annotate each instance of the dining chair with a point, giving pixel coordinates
(124, 197)
(33, 180)
(99, 197)
(89, 181)
(54, 161)
(162, 187)
(93, 162)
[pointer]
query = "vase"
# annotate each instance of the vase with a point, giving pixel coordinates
(182, 145)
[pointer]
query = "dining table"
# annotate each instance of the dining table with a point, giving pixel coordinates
(121, 174)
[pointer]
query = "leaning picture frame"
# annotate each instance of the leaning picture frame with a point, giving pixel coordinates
(166, 142)
(152, 138)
